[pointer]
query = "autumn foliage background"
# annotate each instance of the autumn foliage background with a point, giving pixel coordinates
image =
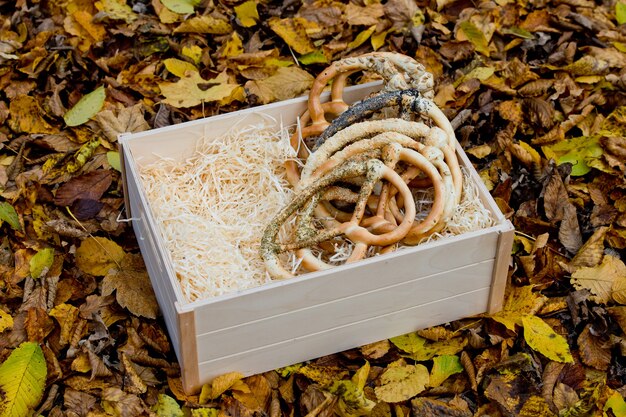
(536, 90)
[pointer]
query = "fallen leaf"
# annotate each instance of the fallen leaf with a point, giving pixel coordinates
(113, 158)
(593, 351)
(22, 380)
(616, 402)
(179, 67)
(292, 31)
(27, 116)
(259, 396)
(116, 10)
(41, 262)
(166, 406)
(577, 151)
(9, 215)
(85, 108)
(181, 6)
(219, 385)
(127, 120)
(6, 321)
(400, 383)
(90, 186)
(480, 151)
(78, 402)
(444, 366)
(591, 253)
(118, 403)
(364, 15)
(424, 406)
(97, 255)
(361, 38)
(542, 338)
(247, 13)
(323, 375)
(376, 350)
(286, 83)
(204, 24)
(189, 91)
(520, 301)
(66, 315)
(132, 287)
(601, 278)
(469, 31)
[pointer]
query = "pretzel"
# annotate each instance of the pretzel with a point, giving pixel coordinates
(398, 71)
(373, 170)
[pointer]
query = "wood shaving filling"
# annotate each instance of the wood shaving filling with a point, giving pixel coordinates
(212, 210)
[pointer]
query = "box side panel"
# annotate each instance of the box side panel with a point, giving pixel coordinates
(368, 275)
(501, 269)
(360, 307)
(155, 264)
(188, 357)
(345, 337)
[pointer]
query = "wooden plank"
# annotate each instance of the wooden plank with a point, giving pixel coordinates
(320, 287)
(346, 337)
(501, 268)
(301, 322)
(188, 357)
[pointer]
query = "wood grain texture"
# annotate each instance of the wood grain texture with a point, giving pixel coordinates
(188, 349)
(501, 269)
(345, 337)
(300, 322)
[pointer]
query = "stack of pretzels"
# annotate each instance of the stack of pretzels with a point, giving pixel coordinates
(366, 166)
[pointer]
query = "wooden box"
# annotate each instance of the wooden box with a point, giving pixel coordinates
(319, 313)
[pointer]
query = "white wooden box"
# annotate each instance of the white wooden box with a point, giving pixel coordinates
(319, 313)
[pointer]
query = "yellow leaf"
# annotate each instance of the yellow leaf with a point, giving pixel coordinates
(400, 383)
(378, 40)
(352, 400)
(600, 279)
(469, 31)
(520, 301)
(293, 33)
(480, 151)
(87, 107)
(41, 262)
(27, 116)
(6, 321)
(116, 10)
(443, 367)
(193, 52)
(221, 384)
(233, 46)
(204, 24)
(132, 287)
(166, 406)
(96, 31)
(286, 83)
(323, 375)
(22, 380)
(192, 90)
(533, 153)
(81, 363)
(180, 6)
(97, 255)
(247, 13)
(589, 79)
(543, 339)
(361, 38)
(66, 315)
(179, 67)
(422, 350)
(618, 292)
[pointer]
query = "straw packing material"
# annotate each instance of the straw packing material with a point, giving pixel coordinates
(213, 208)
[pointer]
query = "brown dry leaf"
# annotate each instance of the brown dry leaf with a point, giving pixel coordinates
(590, 254)
(81, 363)
(90, 186)
(323, 375)
(367, 15)
(569, 230)
(97, 255)
(376, 350)
(132, 381)
(286, 83)
(619, 315)
(38, 324)
(600, 279)
(81, 24)
(83, 383)
(132, 287)
(78, 402)
(27, 116)
(121, 404)
(402, 14)
(128, 119)
(425, 406)
(98, 368)
(219, 385)
(480, 151)
(564, 396)
(593, 351)
(536, 406)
